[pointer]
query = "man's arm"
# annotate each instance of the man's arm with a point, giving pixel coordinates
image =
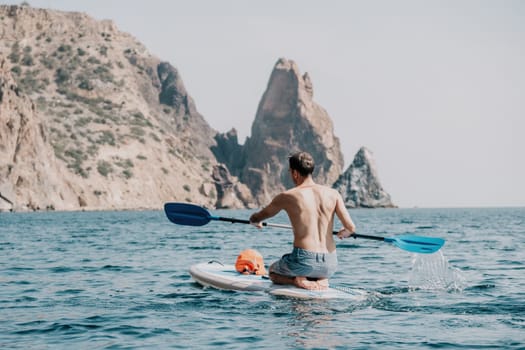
(344, 217)
(270, 210)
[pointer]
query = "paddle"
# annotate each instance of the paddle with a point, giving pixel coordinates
(194, 215)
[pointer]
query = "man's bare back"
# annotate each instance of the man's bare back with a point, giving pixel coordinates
(311, 208)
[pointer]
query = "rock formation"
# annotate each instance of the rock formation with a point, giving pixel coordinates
(120, 124)
(89, 120)
(230, 193)
(287, 120)
(228, 150)
(359, 184)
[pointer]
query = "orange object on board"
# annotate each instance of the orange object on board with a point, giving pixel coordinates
(250, 262)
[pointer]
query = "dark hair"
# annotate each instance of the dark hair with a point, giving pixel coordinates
(302, 162)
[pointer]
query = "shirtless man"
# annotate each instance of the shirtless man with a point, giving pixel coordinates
(311, 208)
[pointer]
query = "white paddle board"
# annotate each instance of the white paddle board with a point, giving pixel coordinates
(216, 275)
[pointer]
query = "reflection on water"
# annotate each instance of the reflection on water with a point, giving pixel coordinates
(311, 323)
(308, 325)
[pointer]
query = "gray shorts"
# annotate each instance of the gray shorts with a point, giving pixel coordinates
(304, 263)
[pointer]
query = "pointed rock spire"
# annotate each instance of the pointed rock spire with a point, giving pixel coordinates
(288, 120)
(359, 184)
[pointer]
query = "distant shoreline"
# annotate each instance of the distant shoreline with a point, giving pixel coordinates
(243, 209)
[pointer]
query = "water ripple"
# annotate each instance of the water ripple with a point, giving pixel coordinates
(120, 280)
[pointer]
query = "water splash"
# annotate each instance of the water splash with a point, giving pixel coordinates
(433, 272)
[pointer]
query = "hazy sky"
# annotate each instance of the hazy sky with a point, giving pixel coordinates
(435, 89)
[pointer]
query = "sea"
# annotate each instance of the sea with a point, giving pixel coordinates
(119, 280)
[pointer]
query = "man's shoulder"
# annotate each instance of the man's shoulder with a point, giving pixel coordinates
(322, 189)
(290, 194)
(326, 189)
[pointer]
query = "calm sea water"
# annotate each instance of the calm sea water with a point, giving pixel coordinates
(119, 280)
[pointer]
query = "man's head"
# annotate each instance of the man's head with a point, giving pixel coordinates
(302, 162)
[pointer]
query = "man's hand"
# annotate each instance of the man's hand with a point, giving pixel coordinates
(344, 233)
(256, 224)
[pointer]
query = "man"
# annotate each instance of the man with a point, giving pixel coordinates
(311, 208)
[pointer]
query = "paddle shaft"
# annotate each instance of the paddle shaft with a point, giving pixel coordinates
(193, 215)
(241, 221)
(376, 238)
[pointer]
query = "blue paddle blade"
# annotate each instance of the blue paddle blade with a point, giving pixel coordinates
(187, 214)
(417, 244)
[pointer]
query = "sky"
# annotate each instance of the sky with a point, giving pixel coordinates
(435, 89)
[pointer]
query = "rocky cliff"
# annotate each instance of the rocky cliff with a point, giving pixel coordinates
(360, 186)
(119, 122)
(89, 120)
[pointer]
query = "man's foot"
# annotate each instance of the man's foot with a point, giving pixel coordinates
(305, 283)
